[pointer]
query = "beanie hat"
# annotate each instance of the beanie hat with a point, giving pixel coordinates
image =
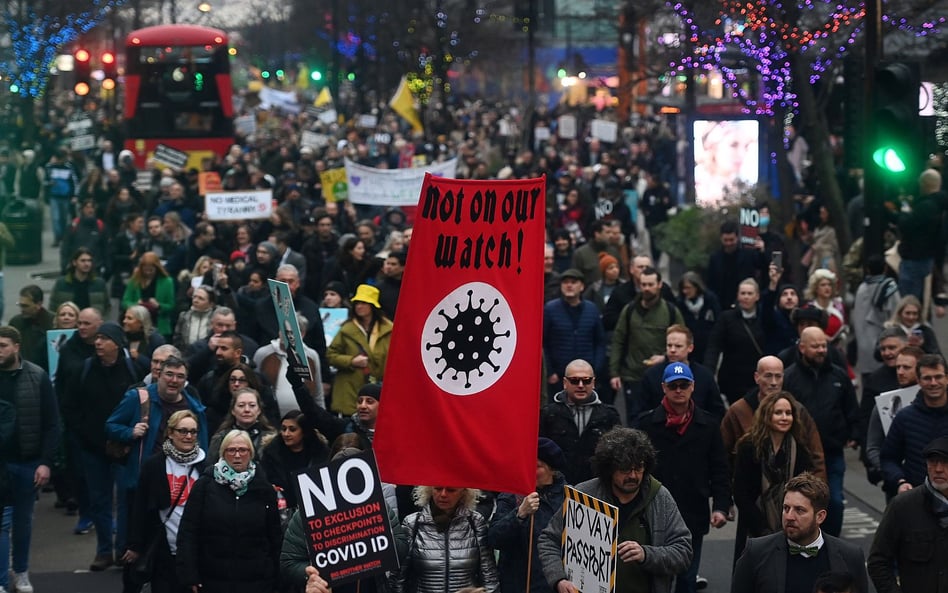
(114, 332)
(606, 260)
(373, 390)
(238, 255)
(550, 453)
(337, 287)
(271, 249)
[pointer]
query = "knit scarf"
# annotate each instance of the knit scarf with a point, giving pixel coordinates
(679, 422)
(235, 480)
(939, 504)
(182, 457)
(694, 306)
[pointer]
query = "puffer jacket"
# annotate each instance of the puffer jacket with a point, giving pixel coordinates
(447, 561)
(911, 431)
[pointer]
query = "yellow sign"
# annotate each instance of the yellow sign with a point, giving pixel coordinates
(335, 186)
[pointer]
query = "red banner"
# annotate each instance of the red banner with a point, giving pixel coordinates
(462, 382)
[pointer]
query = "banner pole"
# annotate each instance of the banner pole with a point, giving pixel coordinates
(530, 553)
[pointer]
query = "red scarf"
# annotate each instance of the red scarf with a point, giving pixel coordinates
(679, 422)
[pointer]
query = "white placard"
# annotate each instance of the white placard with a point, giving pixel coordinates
(367, 120)
(392, 187)
(328, 116)
(238, 205)
(314, 139)
(891, 403)
(82, 142)
(605, 130)
(245, 125)
(541, 133)
(566, 127)
(590, 540)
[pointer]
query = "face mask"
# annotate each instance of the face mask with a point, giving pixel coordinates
(764, 221)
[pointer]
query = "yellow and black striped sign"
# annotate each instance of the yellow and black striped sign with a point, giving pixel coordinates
(590, 540)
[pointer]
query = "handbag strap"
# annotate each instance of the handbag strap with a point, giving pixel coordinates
(751, 335)
(177, 499)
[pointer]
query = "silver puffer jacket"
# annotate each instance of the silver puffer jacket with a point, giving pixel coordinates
(447, 561)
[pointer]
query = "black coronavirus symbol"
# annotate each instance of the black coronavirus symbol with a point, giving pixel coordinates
(469, 339)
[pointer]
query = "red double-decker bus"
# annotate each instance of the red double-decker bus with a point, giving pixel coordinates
(178, 92)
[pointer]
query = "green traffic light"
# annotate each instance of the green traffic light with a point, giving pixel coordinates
(316, 75)
(280, 73)
(561, 73)
(351, 76)
(889, 159)
(265, 74)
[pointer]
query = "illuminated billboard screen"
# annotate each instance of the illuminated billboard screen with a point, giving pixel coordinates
(726, 157)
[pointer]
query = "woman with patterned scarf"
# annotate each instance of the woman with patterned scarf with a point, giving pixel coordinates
(158, 506)
(230, 537)
(773, 451)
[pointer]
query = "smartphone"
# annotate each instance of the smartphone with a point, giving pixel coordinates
(776, 258)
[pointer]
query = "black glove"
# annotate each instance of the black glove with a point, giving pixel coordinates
(294, 379)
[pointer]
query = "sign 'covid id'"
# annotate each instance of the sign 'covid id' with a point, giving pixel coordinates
(590, 541)
(345, 520)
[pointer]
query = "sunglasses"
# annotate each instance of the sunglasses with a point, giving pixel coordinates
(578, 380)
(678, 385)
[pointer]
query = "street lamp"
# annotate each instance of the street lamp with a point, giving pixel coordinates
(204, 8)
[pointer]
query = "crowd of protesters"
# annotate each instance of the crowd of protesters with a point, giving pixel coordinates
(680, 399)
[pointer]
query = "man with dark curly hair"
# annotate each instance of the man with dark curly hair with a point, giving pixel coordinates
(654, 542)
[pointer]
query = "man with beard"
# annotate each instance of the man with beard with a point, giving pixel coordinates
(792, 560)
(626, 291)
(776, 306)
(827, 393)
(654, 542)
(81, 285)
(639, 339)
(88, 231)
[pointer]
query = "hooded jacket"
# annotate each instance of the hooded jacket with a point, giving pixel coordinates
(668, 554)
(557, 423)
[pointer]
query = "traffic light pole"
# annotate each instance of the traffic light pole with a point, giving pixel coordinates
(873, 183)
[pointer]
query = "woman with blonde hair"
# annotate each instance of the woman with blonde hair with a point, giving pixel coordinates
(140, 333)
(908, 316)
(246, 414)
(447, 546)
(67, 316)
(821, 293)
(156, 513)
(151, 287)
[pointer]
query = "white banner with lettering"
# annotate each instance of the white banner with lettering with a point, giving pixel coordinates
(392, 187)
(238, 205)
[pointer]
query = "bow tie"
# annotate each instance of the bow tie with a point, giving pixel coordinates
(808, 550)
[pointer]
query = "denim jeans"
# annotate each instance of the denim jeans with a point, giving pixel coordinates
(102, 479)
(835, 470)
(17, 524)
(912, 273)
(685, 583)
(60, 213)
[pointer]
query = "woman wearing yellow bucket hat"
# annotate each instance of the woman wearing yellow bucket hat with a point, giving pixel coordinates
(359, 350)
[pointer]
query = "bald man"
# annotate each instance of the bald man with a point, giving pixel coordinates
(828, 394)
(740, 415)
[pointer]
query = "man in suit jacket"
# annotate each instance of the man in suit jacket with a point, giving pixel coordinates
(791, 561)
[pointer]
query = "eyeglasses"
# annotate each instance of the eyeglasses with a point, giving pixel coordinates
(578, 380)
(175, 376)
(24, 305)
(186, 432)
(678, 385)
(237, 451)
(238, 379)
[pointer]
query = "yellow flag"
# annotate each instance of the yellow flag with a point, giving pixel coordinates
(404, 105)
(324, 98)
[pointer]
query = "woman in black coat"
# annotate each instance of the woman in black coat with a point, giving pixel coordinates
(230, 537)
(150, 521)
(739, 336)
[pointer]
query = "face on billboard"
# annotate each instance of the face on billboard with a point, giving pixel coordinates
(725, 156)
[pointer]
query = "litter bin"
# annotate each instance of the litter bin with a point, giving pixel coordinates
(24, 219)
